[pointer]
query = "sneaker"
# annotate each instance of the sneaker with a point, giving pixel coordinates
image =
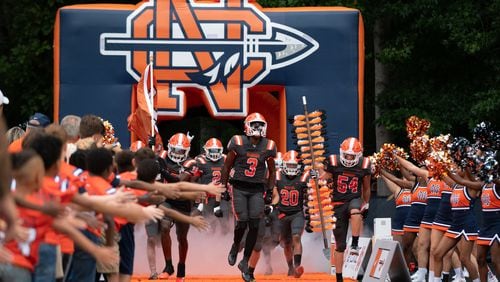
(466, 273)
(291, 271)
(243, 265)
(458, 279)
(248, 277)
(233, 255)
(179, 279)
(153, 276)
(491, 277)
(415, 275)
(299, 270)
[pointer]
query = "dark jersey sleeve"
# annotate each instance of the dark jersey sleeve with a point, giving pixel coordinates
(233, 143)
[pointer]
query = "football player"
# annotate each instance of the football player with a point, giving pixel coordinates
(179, 167)
(249, 157)
(291, 186)
(350, 174)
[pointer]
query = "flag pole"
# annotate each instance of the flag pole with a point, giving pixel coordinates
(151, 98)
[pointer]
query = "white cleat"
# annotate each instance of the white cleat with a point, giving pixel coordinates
(491, 277)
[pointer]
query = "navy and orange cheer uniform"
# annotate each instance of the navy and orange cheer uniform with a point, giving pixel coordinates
(434, 189)
(403, 206)
(463, 221)
(418, 205)
(490, 203)
(442, 220)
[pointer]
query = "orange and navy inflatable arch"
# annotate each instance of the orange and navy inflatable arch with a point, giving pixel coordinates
(233, 57)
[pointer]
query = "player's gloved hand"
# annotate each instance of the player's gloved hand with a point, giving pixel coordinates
(308, 227)
(151, 141)
(268, 198)
(225, 196)
(364, 210)
(268, 209)
(314, 173)
(217, 210)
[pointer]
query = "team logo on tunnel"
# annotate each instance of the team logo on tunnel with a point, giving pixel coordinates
(221, 48)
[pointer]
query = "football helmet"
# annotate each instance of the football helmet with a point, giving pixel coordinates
(178, 147)
(213, 149)
(350, 152)
(291, 164)
(255, 125)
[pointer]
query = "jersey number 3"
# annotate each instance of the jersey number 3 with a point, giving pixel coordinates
(343, 183)
(252, 167)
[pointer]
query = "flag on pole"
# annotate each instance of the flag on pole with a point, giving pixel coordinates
(142, 121)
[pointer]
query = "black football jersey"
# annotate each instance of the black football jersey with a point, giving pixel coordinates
(250, 163)
(292, 192)
(176, 169)
(347, 181)
(210, 170)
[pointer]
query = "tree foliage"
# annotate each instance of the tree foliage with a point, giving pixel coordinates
(443, 58)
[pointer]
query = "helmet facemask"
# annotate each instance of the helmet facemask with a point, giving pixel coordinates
(290, 168)
(257, 128)
(214, 154)
(177, 153)
(349, 158)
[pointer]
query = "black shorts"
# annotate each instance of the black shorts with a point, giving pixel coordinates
(166, 223)
(292, 224)
(343, 214)
(247, 205)
(127, 249)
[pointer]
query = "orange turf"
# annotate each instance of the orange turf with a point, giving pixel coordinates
(307, 277)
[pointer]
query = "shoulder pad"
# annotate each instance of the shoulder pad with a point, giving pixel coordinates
(304, 176)
(333, 160)
(366, 163)
(270, 145)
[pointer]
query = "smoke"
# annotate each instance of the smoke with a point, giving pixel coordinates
(208, 252)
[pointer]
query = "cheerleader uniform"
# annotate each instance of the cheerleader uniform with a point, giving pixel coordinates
(490, 202)
(442, 220)
(463, 221)
(403, 206)
(434, 189)
(418, 204)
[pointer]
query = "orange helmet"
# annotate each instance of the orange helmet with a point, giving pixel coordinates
(255, 125)
(178, 147)
(278, 160)
(291, 164)
(350, 152)
(213, 149)
(136, 145)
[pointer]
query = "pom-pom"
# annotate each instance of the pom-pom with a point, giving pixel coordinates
(420, 148)
(459, 148)
(486, 137)
(416, 127)
(488, 166)
(109, 133)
